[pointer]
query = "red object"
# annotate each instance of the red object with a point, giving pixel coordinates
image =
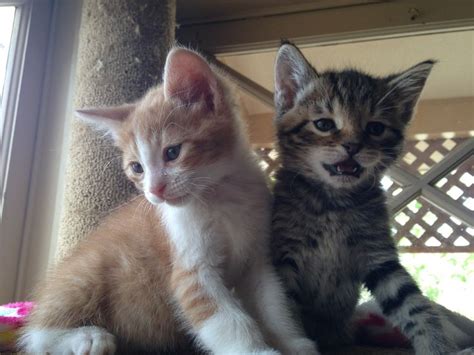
(375, 330)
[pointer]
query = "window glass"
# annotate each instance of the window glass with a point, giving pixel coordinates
(7, 15)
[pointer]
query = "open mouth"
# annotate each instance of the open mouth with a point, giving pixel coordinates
(348, 167)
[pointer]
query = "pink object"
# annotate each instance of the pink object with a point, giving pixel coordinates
(13, 314)
(12, 317)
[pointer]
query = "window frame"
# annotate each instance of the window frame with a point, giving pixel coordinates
(23, 94)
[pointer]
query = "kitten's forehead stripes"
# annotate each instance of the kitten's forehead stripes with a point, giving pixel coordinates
(352, 89)
(355, 92)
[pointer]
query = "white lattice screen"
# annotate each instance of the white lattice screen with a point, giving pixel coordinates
(422, 154)
(419, 224)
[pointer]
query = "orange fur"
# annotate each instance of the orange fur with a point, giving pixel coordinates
(124, 276)
(154, 271)
(189, 293)
(109, 281)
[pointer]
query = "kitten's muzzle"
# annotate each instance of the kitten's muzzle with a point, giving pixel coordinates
(352, 148)
(346, 167)
(159, 190)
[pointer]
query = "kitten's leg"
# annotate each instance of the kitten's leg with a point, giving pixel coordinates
(263, 289)
(216, 317)
(403, 304)
(83, 340)
(288, 263)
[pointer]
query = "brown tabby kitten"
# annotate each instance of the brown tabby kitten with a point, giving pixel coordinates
(337, 134)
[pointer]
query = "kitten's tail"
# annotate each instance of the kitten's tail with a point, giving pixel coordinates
(461, 327)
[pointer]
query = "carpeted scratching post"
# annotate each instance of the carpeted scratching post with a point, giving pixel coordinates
(122, 50)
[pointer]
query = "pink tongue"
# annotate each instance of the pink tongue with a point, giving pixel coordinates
(346, 166)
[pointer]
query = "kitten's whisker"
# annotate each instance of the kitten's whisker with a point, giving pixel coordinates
(141, 205)
(206, 188)
(204, 181)
(107, 164)
(126, 202)
(197, 197)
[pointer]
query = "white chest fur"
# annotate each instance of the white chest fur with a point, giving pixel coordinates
(225, 231)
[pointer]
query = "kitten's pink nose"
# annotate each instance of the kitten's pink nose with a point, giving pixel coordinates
(158, 190)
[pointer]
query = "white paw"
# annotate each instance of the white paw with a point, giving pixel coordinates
(302, 346)
(90, 341)
(77, 341)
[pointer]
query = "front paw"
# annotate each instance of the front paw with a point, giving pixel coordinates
(302, 346)
(78, 341)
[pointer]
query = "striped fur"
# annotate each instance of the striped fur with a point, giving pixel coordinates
(196, 305)
(331, 231)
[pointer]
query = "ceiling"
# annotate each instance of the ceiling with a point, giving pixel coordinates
(452, 77)
(204, 11)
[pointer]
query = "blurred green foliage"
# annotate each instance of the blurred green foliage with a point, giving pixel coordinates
(445, 278)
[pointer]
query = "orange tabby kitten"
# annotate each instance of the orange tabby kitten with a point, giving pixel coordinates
(190, 258)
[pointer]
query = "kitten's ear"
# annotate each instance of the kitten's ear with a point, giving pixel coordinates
(408, 85)
(108, 119)
(189, 78)
(292, 74)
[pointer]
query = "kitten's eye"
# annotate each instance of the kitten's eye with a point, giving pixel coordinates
(375, 128)
(171, 153)
(325, 124)
(136, 167)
